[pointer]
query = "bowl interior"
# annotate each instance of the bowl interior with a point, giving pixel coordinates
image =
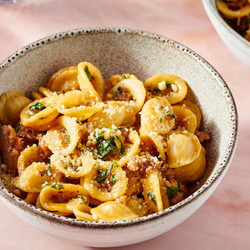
(116, 51)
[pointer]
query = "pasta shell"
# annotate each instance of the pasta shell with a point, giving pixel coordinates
(11, 105)
(113, 211)
(183, 148)
(116, 113)
(94, 87)
(35, 175)
(152, 191)
(186, 118)
(194, 170)
(157, 116)
(135, 87)
(96, 190)
(63, 142)
(76, 104)
(194, 108)
(56, 199)
(41, 119)
(64, 80)
(176, 88)
(27, 157)
(132, 150)
(75, 166)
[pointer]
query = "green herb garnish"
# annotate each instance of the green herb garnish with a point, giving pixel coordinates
(171, 114)
(37, 187)
(68, 141)
(168, 83)
(177, 163)
(104, 147)
(86, 69)
(80, 197)
(122, 151)
(102, 175)
(156, 97)
(127, 75)
(37, 106)
(118, 91)
(157, 90)
(58, 186)
(151, 196)
(17, 127)
(113, 179)
(171, 191)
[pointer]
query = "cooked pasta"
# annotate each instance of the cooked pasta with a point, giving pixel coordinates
(103, 151)
(237, 14)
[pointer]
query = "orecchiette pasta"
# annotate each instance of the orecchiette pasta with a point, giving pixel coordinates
(112, 210)
(103, 151)
(11, 105)
(106, 182)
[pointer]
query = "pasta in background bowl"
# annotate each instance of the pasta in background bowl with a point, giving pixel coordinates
(238, 45)
(105, 157)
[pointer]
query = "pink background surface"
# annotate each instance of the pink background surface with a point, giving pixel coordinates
(223, 222)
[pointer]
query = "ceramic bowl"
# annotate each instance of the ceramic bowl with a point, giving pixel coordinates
(238, 45)
(118, 50)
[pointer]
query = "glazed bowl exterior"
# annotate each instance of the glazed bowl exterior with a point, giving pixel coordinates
(238, 45)
(114, 51)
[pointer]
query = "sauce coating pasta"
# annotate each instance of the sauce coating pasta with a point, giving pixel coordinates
(104, 151)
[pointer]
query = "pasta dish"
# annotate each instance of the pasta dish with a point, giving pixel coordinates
(237, 14)
(102, 151)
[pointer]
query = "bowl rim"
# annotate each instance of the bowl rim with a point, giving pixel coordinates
(31, 210)
(210, 7)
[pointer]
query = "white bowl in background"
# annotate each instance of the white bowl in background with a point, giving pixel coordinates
(238, 45)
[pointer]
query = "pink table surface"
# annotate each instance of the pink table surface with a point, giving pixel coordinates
(223, 222)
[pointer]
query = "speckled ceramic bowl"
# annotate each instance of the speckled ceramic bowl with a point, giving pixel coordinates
(238, 45)
(117, 50)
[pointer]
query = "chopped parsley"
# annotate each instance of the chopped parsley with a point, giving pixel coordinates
(122, 151)
(37, 106)
(118, 91)
(156, 97)
(168, 113)
(157, 89)
(178, 163)
(168, 83)
(58, 186)
(127, 75)
(101, 132)
(68, 141)
(104, 147)
(102, 175)
(80, 197)
(151, 196)
(171, 114)
(86, 69)
(17, 127)
(171, 191)
(113, 179)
